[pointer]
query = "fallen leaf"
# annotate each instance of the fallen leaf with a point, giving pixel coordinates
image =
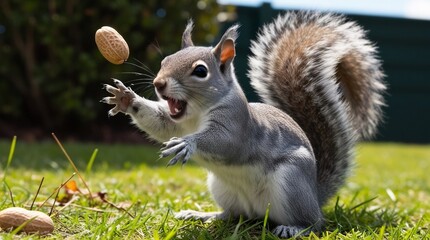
(72, 187)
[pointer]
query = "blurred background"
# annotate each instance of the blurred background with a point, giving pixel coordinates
(51, 72)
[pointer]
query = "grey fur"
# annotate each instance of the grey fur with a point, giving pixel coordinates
(257, 154)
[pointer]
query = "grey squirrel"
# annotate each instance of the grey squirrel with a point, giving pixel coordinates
(322, 87)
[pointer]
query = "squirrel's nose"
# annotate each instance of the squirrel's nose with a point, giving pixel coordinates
(159, 83)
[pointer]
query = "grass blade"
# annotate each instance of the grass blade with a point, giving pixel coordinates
(155, 235)
(266, 217)
(90, 195)
(9, 159)
(235, 234)
(11, 151)
(381, 232)
(37, 193)
(20, 227)
(171, 234)
(91, 161)
(362, 203)
(10, 192)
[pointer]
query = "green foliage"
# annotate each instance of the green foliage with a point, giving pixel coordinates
(51, 72)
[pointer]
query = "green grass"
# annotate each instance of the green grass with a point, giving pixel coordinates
(387, 197)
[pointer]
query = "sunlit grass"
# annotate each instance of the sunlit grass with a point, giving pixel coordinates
(387, 197)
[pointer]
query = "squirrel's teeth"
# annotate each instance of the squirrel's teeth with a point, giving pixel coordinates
(176, 107)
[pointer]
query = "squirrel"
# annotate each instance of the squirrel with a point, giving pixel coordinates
(322, 87)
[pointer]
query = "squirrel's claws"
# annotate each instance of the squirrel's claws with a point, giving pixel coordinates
(113, 111)
(174, 160)
(119, 84)
(104, 100)
(112, 90)
(178, 146)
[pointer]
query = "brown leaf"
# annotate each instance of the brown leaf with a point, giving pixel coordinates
(71, 187)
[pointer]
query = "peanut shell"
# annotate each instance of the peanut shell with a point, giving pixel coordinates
(13, 217)
(112, 45)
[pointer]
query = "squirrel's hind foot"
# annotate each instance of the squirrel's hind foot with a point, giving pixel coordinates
(290, 231)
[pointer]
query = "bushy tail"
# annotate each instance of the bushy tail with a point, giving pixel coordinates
(322, 71)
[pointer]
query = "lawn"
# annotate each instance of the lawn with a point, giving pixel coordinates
(387, 196)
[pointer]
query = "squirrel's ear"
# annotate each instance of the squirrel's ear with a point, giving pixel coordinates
(225, 51)
(186, 36)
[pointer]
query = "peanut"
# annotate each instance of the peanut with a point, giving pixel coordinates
(38, 222)
(112, 45)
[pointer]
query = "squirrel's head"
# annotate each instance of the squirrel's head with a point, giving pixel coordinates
(194, 79)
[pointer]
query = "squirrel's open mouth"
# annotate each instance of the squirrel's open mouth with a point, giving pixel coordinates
(177, 107)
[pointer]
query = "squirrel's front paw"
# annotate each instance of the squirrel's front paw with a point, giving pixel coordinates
(181, 147)
(122, 97)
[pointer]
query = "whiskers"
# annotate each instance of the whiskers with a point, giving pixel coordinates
(158, 48)
(141, 66)
(141, 80)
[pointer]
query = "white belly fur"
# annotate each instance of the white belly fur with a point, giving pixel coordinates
(247, 190)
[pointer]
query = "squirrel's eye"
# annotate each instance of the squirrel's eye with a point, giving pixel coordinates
(200, 71)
